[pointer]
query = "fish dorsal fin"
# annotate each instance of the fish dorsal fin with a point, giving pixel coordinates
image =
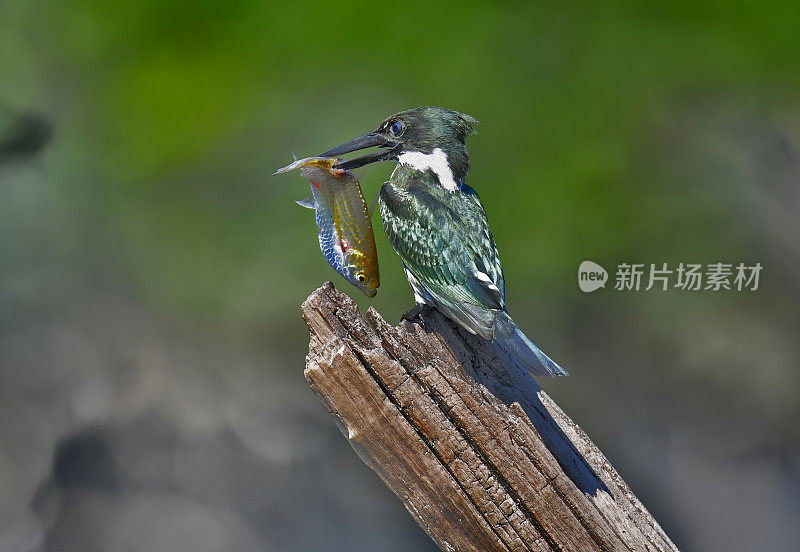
(357, 173)
(373, 204)
(308, 203)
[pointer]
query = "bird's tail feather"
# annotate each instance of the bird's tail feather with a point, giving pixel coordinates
(522, 350)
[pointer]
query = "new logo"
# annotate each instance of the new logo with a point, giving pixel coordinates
(591, 276)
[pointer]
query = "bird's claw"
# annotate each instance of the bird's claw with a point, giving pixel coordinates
(410, 315)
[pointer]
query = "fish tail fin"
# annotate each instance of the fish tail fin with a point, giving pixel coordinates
(522, 350)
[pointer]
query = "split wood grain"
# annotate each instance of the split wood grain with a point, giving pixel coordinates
(480, 456)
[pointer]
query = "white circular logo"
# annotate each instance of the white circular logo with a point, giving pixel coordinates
(591, 276)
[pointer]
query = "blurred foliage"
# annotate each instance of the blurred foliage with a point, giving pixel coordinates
(172, 115)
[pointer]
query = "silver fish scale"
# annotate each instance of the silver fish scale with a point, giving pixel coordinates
(328, 240)
(343, 222)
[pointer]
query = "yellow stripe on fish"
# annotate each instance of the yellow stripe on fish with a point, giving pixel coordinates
(345, 230)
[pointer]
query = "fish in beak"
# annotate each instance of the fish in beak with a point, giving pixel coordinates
(388, 150)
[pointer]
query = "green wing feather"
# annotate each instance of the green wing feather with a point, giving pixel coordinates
(445, 243)
(444, 239)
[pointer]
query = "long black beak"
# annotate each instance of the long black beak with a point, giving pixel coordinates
(368, 140)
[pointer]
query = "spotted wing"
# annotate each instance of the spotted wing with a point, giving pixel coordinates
(444, 240)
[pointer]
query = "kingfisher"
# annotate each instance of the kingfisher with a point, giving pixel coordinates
(437, 225)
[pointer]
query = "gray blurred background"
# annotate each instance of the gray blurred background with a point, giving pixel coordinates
(151, 271)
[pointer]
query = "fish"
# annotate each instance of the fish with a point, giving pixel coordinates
(345, 229)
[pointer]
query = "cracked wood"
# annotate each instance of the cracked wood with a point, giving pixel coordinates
(480, 456)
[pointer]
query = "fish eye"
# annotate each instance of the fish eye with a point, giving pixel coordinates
(361, 277)
(397, 128)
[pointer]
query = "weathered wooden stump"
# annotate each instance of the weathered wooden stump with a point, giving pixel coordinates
(481, 457)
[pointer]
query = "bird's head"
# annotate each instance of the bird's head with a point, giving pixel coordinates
(419, 130)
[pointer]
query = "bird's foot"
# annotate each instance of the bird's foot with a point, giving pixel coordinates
(410, 315)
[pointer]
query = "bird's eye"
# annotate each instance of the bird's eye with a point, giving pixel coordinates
(361, 277)
(397, 128)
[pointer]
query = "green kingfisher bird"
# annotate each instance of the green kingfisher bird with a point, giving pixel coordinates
(437, 225)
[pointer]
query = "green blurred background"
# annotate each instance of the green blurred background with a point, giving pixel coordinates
(151, 269)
